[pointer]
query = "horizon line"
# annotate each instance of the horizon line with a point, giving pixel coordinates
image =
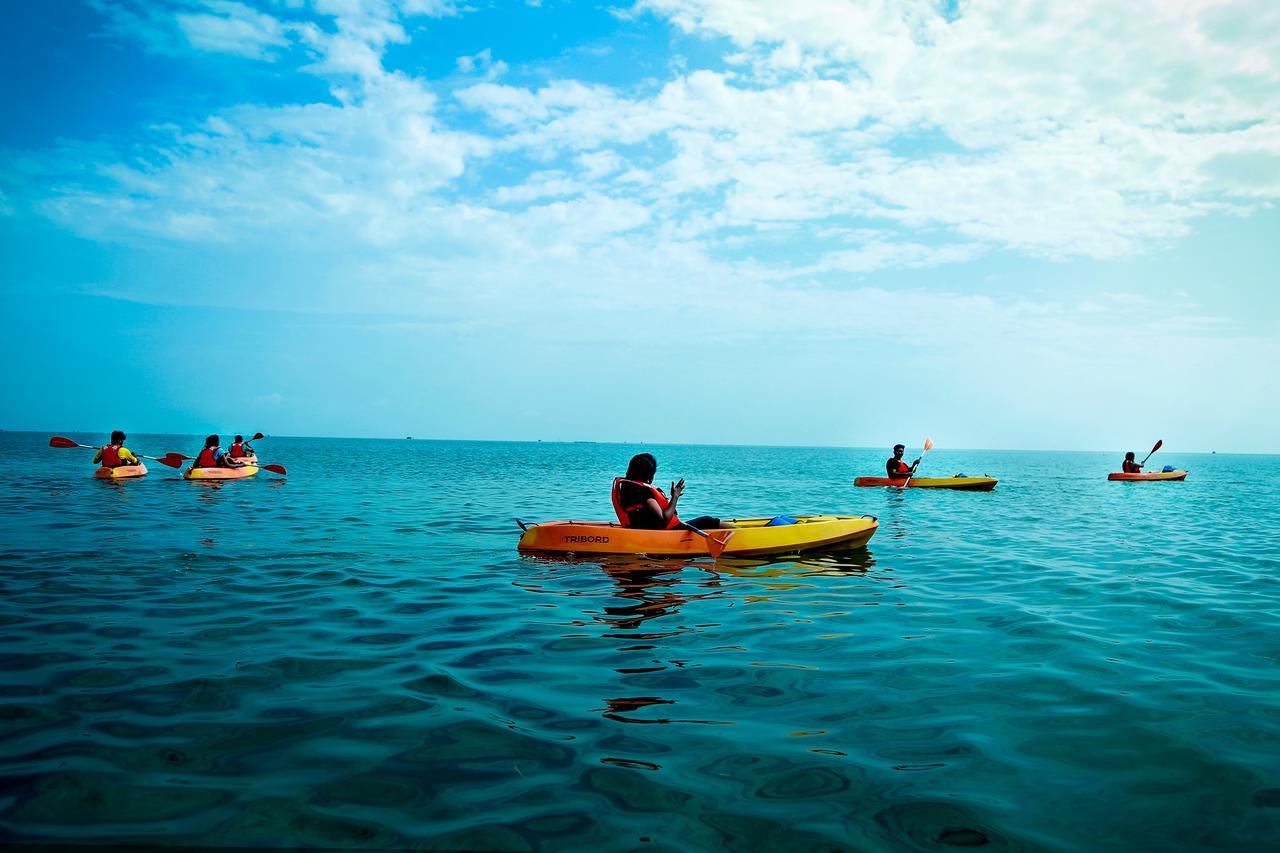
(661, 443)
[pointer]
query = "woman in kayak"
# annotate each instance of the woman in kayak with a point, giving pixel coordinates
(641, 505)
(213, 456)
(115, 454)
(896, 468)
(1129, 466)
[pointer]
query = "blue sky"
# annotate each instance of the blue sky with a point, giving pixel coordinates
(838, 223)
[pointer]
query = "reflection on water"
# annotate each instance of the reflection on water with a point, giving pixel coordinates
(367, 662)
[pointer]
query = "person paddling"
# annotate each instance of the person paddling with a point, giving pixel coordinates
(115, 454)
(896, 468)
(213, 456)
(1129, 466)
(239, 449)
(641, 505)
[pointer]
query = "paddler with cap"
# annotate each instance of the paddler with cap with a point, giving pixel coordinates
(896, 468)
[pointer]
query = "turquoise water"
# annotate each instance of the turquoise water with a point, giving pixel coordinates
(357, 656)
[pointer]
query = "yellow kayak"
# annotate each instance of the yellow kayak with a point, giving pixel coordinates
(220, 473)
(120, 472)
(753, 537)
(964, 484)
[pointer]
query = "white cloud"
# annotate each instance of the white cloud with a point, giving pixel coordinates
(229, 27)
(842, 139)
(482, 63)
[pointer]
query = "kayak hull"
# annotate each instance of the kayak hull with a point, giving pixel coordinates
(963, 484)
(219, 473)
(251, 459)
(122, 472)
(752, 538)
(1154, 476)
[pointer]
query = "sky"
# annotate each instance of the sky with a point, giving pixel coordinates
(1033, 225)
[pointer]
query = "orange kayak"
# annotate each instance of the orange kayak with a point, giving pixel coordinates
(251, 459)
(964, 484)
(120, 472)
(753, 537)
(219, 473)
(1171, 476)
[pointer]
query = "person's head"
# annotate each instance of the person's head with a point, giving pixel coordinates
(1128, 457)
(211, 441)
(239, 438)
(642, 467)
(899, 449)
(117, 436)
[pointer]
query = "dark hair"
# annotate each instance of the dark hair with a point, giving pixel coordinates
(117, 436)
(211, 441)
(1128, 456)
(899, 447)
(239, 438)
(642, 467)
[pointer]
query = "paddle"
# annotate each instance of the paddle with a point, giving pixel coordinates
(715, 543)
(1159, 444)
(256, 436)
(173, 460)
(928, 445)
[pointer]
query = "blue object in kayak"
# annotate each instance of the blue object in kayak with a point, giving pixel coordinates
(1169, 468)
(781, 521)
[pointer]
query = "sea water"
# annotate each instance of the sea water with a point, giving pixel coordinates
(357, 656)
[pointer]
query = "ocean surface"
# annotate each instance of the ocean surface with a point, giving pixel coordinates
(357, 656)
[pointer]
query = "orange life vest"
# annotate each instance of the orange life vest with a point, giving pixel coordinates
(206, 458)
(111, 456)
(1131, 467)
(624, 512)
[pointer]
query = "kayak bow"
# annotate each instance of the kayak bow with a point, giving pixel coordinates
(752, 537)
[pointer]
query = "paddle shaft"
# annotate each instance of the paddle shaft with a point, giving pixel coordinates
(907, 482)
(1159, 444)
(168, 459)
(715, 546)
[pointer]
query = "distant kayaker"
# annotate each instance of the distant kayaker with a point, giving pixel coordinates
(213, 456)
(641, 505)
(1129, 466)
(896, 468)
(115, 454)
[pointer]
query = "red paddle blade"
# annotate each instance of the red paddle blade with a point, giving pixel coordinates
(173, 460)
(59, 441)
(1159, 444)
(256, 436)
(274, 469)
(716, 540)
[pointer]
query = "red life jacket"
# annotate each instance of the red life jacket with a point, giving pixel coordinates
(206, 458)
(1131, 467)
(237, 450)
(111, 456)
(624, 512)
(903, 469)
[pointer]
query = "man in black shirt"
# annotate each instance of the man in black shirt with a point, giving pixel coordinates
(896, 468)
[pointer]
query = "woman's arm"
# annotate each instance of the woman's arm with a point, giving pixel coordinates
(677, 489)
